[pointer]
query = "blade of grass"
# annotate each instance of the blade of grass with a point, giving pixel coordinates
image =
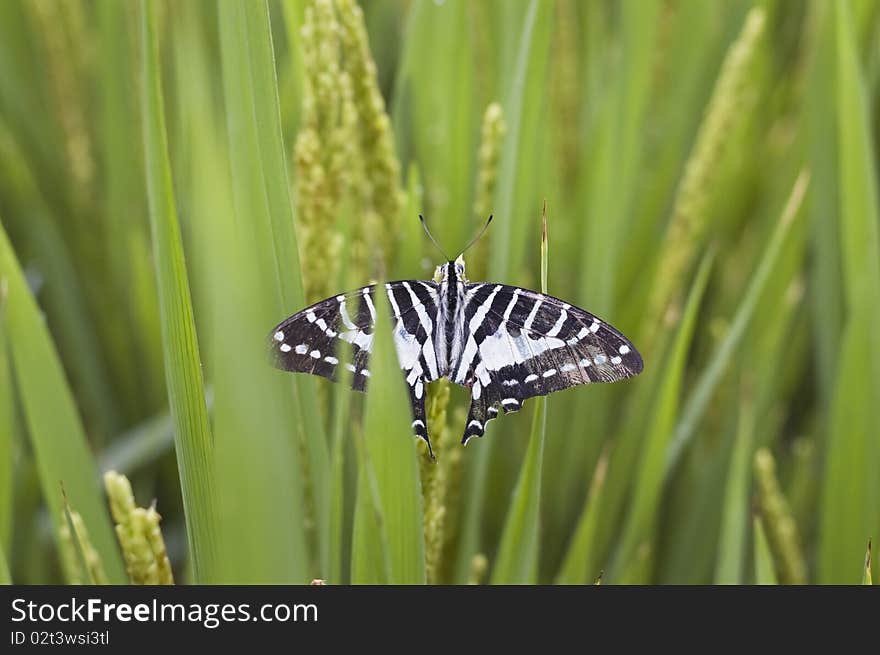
(5, 578)
(691, 220)
(517, 559)
(85, 571)
(651, 471)
(43, 247)
(24, 93)
(370, 559)
(290, 99)
(765, 572)
(850, 506)
(410, 261)
(7, 429)
(684, 231)
(342, 418)
(531, 57)
(782, 532)
(255, 427)
(613, 174)
(578, 566)
(500, 268)
(705, 386)
(390, 456)
(186, 393)
(731, 559)
(262, 202)
(134, 344)
(339, 530)
(825, 272)
(440, 92)
(54, 428)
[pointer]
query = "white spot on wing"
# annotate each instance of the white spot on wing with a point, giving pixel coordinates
(623, 350)
(594, 327)
(531, 377)
(311, 317)
(549, 373)
(302, 349)
(285, 348)
(600, 359)
(315, 354)
(616, 360)
(278, 336)
(331, 360)
(568, 367)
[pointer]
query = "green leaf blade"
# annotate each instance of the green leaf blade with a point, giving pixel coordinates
(850, 507)
(389, 475)
(186, 393)
(53, 425)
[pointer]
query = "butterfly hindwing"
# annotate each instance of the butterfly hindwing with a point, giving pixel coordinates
(521, 344)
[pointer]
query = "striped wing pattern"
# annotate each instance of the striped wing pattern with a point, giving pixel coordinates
(504, 343)
(337, 333)
(521, 344)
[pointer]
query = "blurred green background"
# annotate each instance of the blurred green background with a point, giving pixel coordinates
(177, 177)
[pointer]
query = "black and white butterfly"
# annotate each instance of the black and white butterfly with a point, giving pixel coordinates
(504, 343)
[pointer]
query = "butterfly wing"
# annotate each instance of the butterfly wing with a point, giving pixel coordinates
(338, 332)
(522, 344)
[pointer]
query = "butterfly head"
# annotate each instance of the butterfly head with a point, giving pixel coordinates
(451, 271)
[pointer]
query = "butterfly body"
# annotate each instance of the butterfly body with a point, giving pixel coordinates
(504, 343)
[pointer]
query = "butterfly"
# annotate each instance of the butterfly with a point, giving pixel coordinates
(504, 343)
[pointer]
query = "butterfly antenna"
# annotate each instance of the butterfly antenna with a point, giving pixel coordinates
(431, 237)
(479, 234)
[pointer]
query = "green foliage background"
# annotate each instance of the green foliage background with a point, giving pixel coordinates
(177, 177)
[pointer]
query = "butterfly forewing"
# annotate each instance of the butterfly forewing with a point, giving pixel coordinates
(338, 332)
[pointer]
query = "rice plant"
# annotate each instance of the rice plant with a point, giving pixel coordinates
(177, 178)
